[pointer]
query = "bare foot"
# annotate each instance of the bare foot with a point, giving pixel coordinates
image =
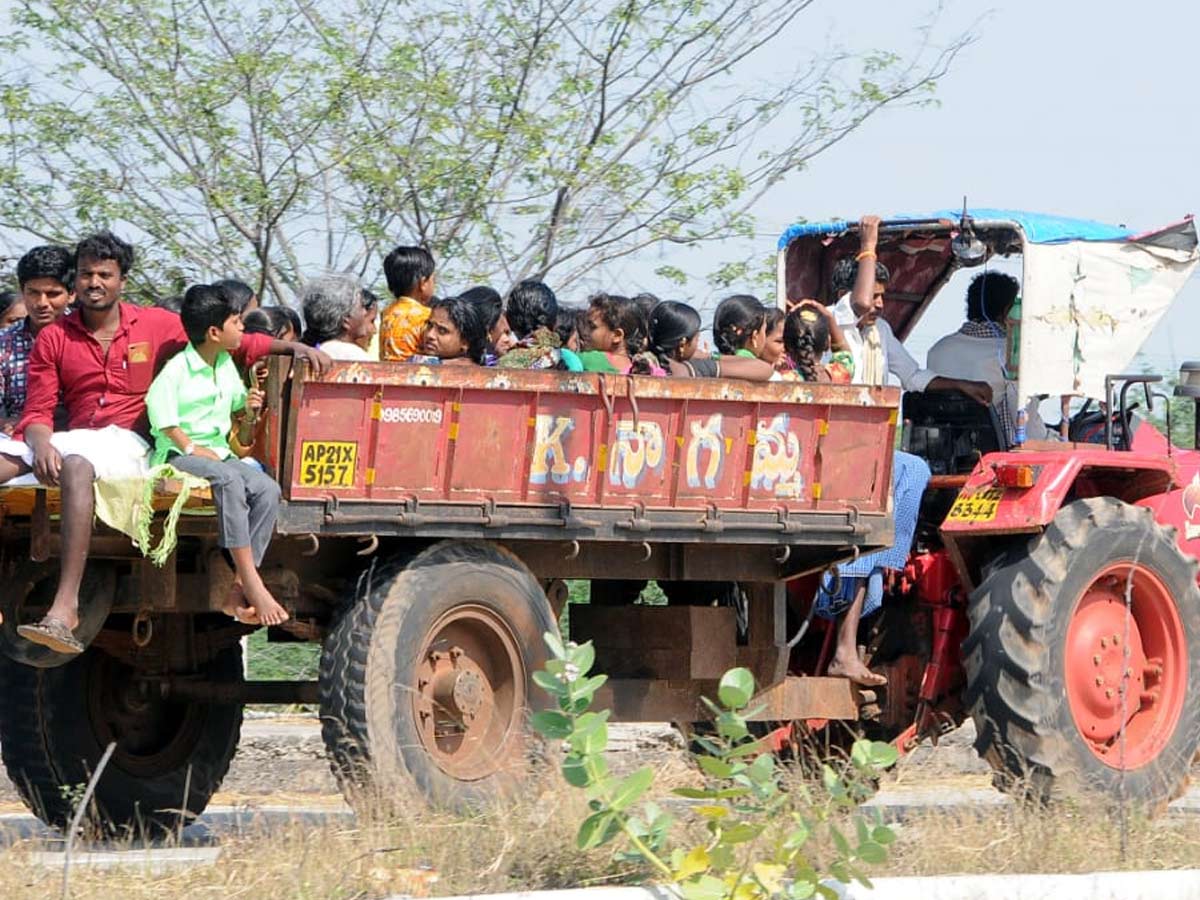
(856, 671)
(267, 607)
(236, 607)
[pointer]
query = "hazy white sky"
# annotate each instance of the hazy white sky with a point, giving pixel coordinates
(1077, 107)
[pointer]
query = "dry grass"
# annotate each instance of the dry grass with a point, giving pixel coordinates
(529, 845)
(1012, 839)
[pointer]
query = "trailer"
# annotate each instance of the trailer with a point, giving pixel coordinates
(432, 517)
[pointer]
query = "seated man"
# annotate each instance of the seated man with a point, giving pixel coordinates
(976, 351)
(101, 360)
(44, 275)
(860, 283)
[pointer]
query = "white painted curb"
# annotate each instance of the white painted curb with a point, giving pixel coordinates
(1171, 885)
(152, 861)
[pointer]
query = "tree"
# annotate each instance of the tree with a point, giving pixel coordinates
(515, 138)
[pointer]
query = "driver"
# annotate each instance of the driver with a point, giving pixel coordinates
(976, 350)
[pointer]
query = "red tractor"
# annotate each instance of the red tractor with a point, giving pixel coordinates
(1051, 592)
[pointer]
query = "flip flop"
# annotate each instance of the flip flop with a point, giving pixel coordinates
(52, 633)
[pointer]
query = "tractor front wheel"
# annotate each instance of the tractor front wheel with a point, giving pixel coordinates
(1080, 657)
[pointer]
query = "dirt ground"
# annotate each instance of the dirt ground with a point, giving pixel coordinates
(281, 760)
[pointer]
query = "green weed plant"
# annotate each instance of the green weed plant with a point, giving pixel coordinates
(765, 837)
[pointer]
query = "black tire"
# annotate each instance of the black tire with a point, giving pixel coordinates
(343, 676)
(28, 595)
(1019, 677)
(56, 723)
(371, 690)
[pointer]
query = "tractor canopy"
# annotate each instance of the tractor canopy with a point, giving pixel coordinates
(1091, 293)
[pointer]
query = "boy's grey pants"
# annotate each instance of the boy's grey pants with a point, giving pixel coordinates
(247, 500)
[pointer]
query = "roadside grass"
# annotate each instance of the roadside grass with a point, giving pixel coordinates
(1015, 839)
(529, 844)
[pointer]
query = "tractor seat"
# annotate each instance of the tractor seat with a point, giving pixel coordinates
(950, 431)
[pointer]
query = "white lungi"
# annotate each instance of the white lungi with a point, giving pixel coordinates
(113, 452)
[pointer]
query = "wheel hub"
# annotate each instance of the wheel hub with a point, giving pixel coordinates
(1125, 665)
(1109, 686)
(470, 694)
(461, 690)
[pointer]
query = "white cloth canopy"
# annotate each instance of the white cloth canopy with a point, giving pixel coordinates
(1088, 306)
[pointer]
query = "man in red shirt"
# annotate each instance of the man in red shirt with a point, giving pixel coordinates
(101, 360)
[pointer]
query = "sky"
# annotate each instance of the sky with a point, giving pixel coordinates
(1083, 108)
(1074, 107)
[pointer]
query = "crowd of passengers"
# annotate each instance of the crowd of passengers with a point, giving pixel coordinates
(94, 387)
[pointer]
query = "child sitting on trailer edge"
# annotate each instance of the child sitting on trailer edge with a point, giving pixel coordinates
(192, 404)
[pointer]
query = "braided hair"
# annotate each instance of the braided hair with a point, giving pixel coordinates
(806, 338)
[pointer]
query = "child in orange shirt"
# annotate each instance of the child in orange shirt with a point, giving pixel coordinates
(410, 278)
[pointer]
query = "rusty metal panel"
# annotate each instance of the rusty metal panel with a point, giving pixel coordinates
(851, 467)
(658, 700)
(410, 451)
(666, 642)
(488, 438)
(333, 441)
(635, 457)
(780, 458)
(567, 431)
(710, 461)
(423, 434)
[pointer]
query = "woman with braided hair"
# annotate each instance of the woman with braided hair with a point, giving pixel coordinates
(809, 333)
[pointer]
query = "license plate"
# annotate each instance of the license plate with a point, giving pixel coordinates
(977, 506)
(328, 463)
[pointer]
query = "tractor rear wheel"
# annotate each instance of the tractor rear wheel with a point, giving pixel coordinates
(429, 684)
(1080, 657)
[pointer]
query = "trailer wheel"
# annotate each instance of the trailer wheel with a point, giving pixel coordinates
(29, 594)
(1068, 693)
(56, 723)
(447, 681)
(343, 675)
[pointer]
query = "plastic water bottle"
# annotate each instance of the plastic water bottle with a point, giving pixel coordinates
(1012, 342)
(1022, 422)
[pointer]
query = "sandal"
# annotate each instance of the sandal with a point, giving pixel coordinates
(52, 633)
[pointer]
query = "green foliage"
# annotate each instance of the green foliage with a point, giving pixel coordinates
(760, 838)
(515, 138)
(266, 661)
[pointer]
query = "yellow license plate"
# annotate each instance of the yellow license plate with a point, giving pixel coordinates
(328, 463)
(978, 506)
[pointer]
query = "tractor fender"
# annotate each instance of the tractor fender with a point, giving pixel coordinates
(988, 518)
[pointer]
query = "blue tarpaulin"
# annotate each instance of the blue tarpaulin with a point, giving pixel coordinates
(1039, 228)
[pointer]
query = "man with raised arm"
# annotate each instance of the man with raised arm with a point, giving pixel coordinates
(859, 285)
(101, 361)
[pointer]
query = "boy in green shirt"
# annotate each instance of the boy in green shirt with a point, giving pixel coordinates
(192, 404)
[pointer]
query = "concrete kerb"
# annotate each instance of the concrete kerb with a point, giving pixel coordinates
(1177, 885)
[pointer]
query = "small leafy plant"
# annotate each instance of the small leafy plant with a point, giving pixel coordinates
(763, 839)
